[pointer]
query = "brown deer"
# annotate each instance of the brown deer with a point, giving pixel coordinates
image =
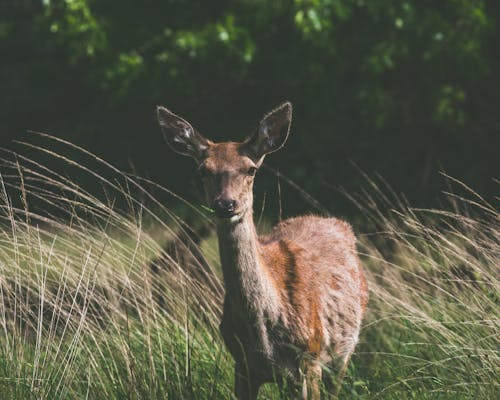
(294, 298)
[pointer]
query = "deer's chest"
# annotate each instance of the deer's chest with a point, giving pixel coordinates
(243, 332)
(252, 338)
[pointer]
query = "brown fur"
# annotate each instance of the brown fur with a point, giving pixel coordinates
(294, 298)
(312, 264)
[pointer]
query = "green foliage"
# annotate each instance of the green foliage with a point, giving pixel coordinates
(73, 27)
(369, 80)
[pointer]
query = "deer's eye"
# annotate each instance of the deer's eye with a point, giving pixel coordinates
(251, 171)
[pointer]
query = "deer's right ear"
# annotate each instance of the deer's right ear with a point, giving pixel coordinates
(180, 135)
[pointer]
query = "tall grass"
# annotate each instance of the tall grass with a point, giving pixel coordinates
(114, 296)
(84, 310)
(433, 326)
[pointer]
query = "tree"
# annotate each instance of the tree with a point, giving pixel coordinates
(401, 87)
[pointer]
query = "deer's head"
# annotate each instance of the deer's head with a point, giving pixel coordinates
(228, 169)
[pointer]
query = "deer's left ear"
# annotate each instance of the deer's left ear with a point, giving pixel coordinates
(272, 132)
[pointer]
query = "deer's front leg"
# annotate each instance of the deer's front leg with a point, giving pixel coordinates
(311, 380)
(246, 387)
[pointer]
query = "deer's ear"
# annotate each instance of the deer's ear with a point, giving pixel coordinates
(180, 135)
(271, 133)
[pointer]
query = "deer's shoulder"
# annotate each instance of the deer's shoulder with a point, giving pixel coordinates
(312, 230)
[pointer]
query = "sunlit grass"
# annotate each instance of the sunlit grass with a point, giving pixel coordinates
(433, 326)
(114, 296)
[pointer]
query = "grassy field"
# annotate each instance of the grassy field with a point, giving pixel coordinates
(110, 299)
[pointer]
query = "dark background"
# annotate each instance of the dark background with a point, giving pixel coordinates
(404, 89)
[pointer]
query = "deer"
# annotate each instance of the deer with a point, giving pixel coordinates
(295, 297)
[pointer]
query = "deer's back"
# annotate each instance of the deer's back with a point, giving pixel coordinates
(315, 268)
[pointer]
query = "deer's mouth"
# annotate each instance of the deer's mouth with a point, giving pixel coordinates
(225, 214)
(233, 217)
(230, 218)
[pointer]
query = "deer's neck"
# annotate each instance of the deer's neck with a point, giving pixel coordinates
(245, 277)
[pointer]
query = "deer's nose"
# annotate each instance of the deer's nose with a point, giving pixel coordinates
(224, 208)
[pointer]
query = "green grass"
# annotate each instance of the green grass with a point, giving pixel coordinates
(84, 315)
